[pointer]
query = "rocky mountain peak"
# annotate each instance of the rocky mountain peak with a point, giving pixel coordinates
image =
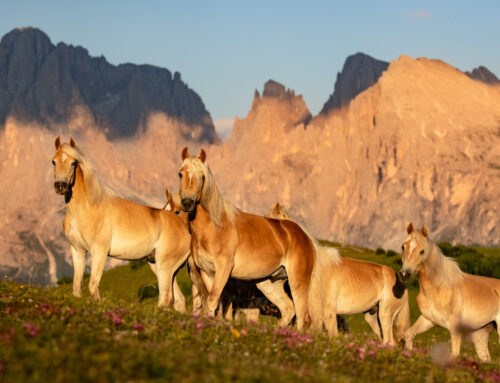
(44, 83)
(360, 71)
(483, 74)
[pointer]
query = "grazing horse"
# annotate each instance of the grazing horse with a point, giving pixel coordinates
(227, 242)
(100, 222)
(464, 304)
(349, 286)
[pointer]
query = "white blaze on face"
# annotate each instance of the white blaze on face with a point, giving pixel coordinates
(168, 207)
(63, 157)
(413, 244)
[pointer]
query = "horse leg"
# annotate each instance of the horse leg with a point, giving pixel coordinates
(372, 320)
(167, 265)
(456, 343)
(179, 299)
(153, 268)
(79, 269)
(480, 339)
(386, 314)
(223, 267)
(276, 293)
(98, 262)
(330, 318)
(422, 324)
(299, 279)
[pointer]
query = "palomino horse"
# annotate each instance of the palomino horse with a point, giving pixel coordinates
(464, 304)
(231, 297)
(230, 243)
(98, 221)
(350, 286)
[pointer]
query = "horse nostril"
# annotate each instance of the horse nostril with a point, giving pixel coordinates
(187, 203)
(60, 186)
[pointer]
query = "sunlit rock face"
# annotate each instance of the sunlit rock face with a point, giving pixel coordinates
(422, 144)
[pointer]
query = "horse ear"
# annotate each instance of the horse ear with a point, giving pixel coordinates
(423, 230)
(410, 229)
(203, 155)
(185, 153)
(72, 142)
(57, 143)
(169, 205)
(277, 208)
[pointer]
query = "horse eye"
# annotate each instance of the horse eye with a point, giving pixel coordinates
(421, 252)
(73, 163)
(403, 248)
(180, 175)
(53, 162)
(177, 212)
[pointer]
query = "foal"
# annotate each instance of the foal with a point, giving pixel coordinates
(464, 304)
(100, 222)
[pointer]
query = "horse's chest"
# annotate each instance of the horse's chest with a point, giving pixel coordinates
(203, 257)
(437, 309)
(74, 234)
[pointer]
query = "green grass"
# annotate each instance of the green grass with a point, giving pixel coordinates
(48, 335)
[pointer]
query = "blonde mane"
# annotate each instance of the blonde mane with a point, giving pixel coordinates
(443, 271)
(95, 191)
(212, 200)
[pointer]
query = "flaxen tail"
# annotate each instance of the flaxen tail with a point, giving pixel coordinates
(326, 259)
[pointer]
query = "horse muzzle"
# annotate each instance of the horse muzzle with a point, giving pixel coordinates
(61, 187)
(404, 275)
(187, 204)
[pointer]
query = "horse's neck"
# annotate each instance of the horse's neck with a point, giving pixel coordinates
(430, 270)
(201, 220)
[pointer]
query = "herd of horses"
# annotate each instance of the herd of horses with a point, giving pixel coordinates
(218, 241)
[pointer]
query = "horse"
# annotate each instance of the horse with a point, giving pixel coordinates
(463, 303)
(272, 288)
(98, 221)
(351, 286)
(227, 242)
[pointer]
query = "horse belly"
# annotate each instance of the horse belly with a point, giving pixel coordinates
(128, 247)
(255, 265)
(355, 302)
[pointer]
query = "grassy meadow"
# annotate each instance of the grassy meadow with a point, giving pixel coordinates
(48, 335)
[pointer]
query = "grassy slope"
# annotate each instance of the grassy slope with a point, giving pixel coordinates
(79, 339)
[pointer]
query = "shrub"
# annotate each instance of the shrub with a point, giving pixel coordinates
(391, 253)
(379, 251)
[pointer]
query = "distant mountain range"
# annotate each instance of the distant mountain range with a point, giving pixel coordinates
(43, 82)
(406, 140)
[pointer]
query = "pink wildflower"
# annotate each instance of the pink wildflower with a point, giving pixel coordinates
(200, 325)
(138, 326)
(407, 354)
(31, 329)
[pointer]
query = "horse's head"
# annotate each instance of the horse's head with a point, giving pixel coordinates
(173, 202)
(192, 179)
(415, 251)
(278, 212)
(64, 167)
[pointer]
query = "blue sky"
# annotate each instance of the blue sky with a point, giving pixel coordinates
(225, 50)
